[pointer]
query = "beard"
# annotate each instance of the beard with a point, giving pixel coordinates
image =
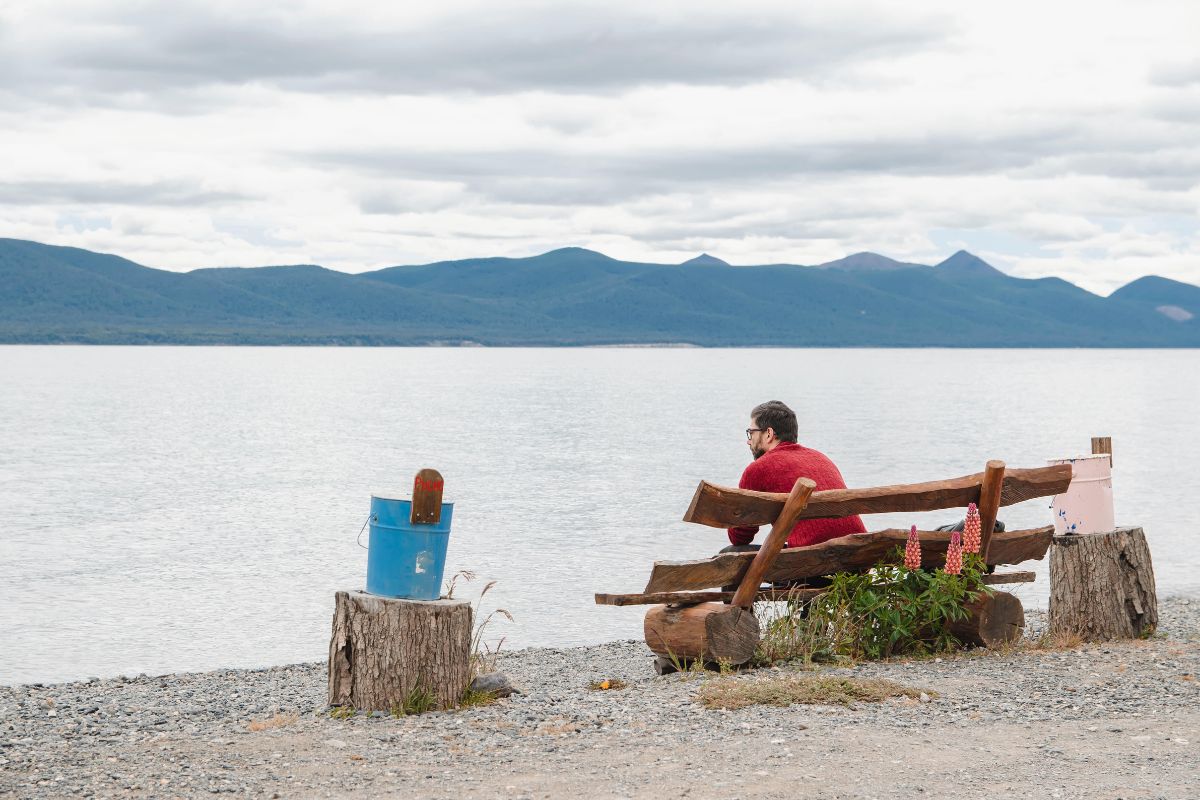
(757, 452)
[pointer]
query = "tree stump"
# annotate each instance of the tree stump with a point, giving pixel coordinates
(1102, 585)
(995, 619)
(709, 632)
(386, 652)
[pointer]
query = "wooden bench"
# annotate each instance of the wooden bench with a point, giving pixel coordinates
(692, 618)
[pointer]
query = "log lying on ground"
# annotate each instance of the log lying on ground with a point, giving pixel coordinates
(723, 507)
(716, 633)
(383, 650)
(708, 632)
(766, 595)
(1102, 585)
(846, 554)
(995, 620)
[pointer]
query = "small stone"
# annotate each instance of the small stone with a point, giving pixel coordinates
(924, 697)
(335, 743)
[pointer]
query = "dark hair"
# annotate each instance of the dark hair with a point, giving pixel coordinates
(774, 414)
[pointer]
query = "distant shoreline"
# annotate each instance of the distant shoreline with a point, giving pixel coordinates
(597, 346)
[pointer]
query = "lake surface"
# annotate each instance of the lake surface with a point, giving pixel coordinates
(166, 509)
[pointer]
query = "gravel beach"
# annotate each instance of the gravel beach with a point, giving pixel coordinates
(1118, 720)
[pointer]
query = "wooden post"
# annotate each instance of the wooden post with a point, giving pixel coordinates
(1102, 444)
(1102, 585)
(989, 504)
(386, 650)
(801, 491)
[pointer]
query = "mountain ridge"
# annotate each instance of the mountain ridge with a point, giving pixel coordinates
(576, 296)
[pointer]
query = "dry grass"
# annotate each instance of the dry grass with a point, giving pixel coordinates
(277, 721)
(1058, 641)
(734, 693)
(607, 684)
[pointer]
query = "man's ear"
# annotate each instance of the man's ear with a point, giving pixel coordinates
(771, 433)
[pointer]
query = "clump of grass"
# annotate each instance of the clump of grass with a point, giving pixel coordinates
(465, 575)
(472, 698)
(734, 693)
(608, 684)
(418, 701)
(342, 712)
(277, 721)
(483, 656)
(791, 633)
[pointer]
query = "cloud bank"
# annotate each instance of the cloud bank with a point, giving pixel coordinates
(1047, 140)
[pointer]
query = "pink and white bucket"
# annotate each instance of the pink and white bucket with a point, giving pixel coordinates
(1087, 505)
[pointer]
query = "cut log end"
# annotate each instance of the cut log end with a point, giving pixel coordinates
(995, 620)
(706, 632)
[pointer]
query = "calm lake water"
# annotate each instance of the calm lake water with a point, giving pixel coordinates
(167, 509)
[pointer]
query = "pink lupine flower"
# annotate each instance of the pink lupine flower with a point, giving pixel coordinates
(971, 530)
(912, 550)
(954, 554)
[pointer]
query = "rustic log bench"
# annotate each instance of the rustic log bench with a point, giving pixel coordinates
(692, 619)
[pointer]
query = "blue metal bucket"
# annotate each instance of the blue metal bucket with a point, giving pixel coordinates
(406, 560)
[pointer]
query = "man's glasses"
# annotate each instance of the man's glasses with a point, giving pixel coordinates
(753, 430)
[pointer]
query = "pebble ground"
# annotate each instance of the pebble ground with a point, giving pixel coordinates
(1118, 720)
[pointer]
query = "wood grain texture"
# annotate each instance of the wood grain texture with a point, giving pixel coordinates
(780, 529)
(994, 620)
(427, 498)
(846, 554)
(692, 598)
(383, 648)
(1102, 444)
(989, 504)
(1102, 585)
(765, 595)
(707, 632)
(725, 507)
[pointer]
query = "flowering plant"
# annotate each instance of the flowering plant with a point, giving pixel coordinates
(971, 530)
(895, 609)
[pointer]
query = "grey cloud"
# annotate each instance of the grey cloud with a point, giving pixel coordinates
(1177, 75)
(561, 178)
(492, 51)
(1164, 169)
(161, 193)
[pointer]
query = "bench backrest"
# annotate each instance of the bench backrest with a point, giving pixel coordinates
(725, 507)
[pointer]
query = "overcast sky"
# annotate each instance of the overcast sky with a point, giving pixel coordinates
(1050, 138)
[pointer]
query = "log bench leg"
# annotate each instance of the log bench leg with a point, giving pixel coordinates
(711, 632)
(995, 620)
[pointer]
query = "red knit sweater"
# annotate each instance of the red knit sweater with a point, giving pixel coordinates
(777, 471)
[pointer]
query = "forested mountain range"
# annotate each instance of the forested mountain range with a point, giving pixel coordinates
(574, 296)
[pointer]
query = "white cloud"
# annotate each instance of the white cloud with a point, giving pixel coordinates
(1052, 137)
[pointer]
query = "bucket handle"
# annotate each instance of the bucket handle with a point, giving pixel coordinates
(363, 528)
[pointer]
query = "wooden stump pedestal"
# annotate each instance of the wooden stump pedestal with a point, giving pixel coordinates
(1102, 585)
(383, 650)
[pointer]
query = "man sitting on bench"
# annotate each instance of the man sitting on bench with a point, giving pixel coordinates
(778, 462)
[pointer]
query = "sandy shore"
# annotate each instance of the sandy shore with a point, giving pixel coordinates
(1099, 721)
